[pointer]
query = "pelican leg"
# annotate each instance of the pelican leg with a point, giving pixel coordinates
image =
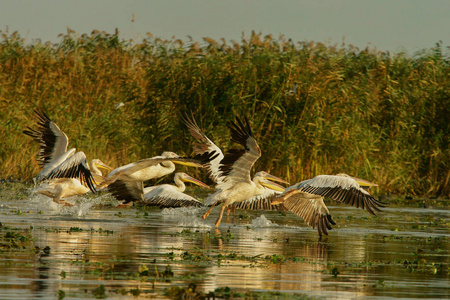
(63, 202)
(209, 211)
(220, 216)
(231, 209)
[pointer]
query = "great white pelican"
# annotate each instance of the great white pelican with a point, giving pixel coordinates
(306, 198)
(59, 188)
(234, 183)
(54, 158)
(136, 173)
(205, 145)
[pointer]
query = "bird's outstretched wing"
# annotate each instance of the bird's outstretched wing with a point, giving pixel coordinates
(75, 166)
(203, 146)
(308, 206)
(53, 141)
(165, 196)
(342, 189)
(127, 191)
(237, 163)
(260, 202)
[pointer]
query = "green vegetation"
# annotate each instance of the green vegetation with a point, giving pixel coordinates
(380, 116)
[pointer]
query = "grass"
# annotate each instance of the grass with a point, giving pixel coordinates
(380, 116)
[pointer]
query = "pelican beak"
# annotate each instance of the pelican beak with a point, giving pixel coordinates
(275, 178)
(364, 183)
(187, 163)
(195, 181)
(272, 185)
(98, 178)
(104, 166)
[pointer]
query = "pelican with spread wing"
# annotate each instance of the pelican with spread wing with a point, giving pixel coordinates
(54, 158)
(132, 176)
(234, 183)
(164, 195)
(306, 198)
(59, 188)
(205, 145)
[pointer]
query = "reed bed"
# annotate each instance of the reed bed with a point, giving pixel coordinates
(314, 108)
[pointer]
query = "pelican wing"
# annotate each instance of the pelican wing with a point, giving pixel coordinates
(261, 202)
(311, 208)
(127, 191)
(75, 166)
(166, 195)
(342, 189)
(53, 141)
(205, 145)
(237, 163)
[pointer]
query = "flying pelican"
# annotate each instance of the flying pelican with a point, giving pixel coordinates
(54, 158)
(59, 188)
(305, 198)
(134, 174)
(234, 184)
(205, 145)
(165, 195)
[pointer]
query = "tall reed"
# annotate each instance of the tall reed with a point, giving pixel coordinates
(380, 116)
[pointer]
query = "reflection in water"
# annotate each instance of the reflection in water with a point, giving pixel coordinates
(89, 246)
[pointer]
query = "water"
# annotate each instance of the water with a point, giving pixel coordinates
(402, 254)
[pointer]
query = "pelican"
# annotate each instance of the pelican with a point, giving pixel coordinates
(234, 184)
(154, 167)
(165, 195)
(205, 145)
(54, 158)
(59, 188)
(305, 198)
(263, 201)
(133, 175)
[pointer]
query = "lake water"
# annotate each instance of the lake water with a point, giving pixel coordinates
(94, 250)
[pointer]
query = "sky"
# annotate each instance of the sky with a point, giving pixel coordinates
(387, 25)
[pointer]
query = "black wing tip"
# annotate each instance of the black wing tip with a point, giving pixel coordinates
(42, 115)
(240, 132)
(206, 157)
(330, 219)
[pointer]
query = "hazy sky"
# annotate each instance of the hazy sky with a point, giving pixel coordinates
(393, 25)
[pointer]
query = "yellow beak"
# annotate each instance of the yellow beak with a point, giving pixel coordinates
(187, 163)
(275, 178)
(104, 166)
(272, 185)
(98, 178)
(364, 183)
(195, 181)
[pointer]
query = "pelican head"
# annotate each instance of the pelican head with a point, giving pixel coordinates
(271, 177)
(99, 164)
(186, 178)
(268, 184)
(169, 154)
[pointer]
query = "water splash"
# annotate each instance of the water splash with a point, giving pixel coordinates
(188, 216)
(193, 223)
(82, 205)
(263, 222)
(181, 211)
